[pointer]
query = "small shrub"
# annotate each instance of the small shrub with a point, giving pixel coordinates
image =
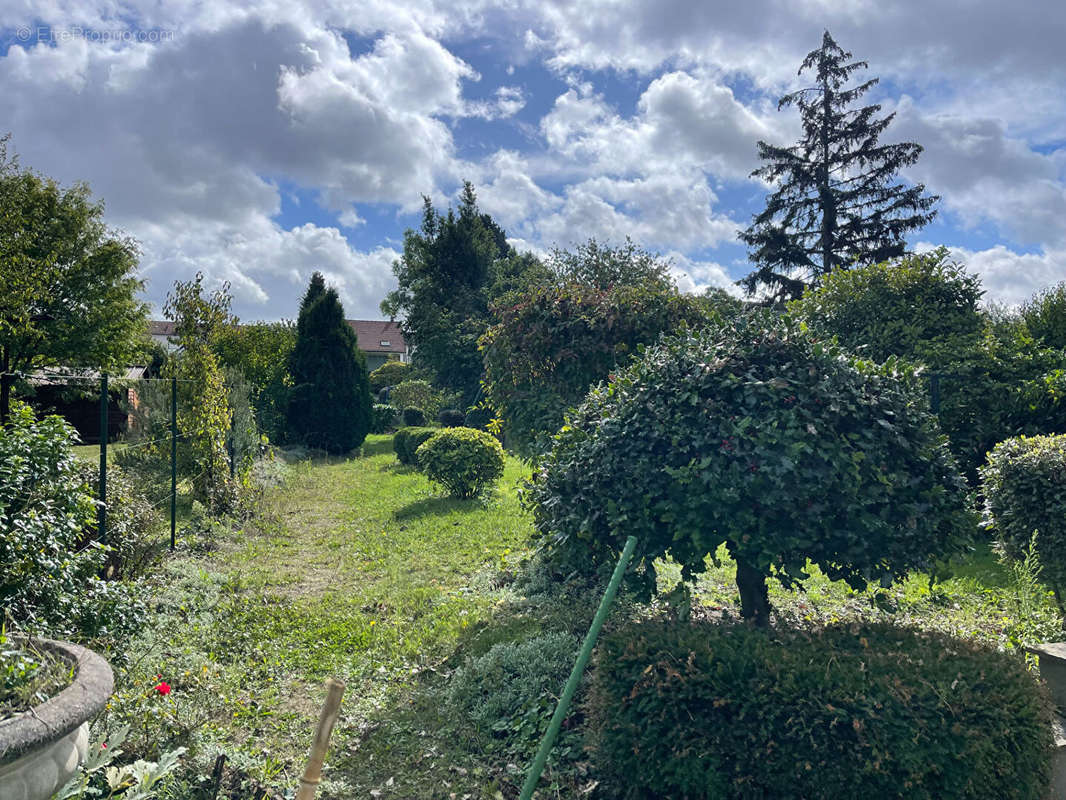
(451, 418)
(729, 711)
(464, 461)
(383, 418)
(507, 695)
(413, 417)
(407, 441)
(419, 394)
(1024, 485)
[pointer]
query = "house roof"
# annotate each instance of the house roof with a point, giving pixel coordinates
(374, 335)
(379, 336)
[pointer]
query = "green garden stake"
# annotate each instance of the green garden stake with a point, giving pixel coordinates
(102, 511)
(173, 459)
(535, 770)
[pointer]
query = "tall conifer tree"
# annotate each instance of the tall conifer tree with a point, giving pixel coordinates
(329, 407)
(837, 200)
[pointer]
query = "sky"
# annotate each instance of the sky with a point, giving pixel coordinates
(257, 143)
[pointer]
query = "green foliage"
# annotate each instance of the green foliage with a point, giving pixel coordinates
(451, 418)
(761, 437)
(602, 267)
(1024, 487)
(896, 308)
(504, 698)
(50, 581)
(551, 344)
(727, 711)
(133, 534)
(389, 374)
(407, 441)
(418, 394)
(479, 416)
(1045, 316)
(68, 283)
(445, 277)
(995, 380)
(836, 202)
(413, 417)
(329, 406)
(462, 460)
(28, 676)
(261, 352)
(204, 411)
(98, 778)
(383, 417)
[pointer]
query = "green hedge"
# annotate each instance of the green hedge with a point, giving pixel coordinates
(462, 460)
(730, 711)
(413, 417)
(408, 440)
(1024, 484)
(383, 417)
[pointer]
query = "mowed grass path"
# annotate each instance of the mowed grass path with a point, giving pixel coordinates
(354, 568)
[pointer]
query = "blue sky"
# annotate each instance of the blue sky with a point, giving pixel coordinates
(259, 143)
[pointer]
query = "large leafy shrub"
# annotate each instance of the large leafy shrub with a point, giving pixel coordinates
(462, 460)
(451, 418)
(1045, 316)
(413, 417)
(729, 711)
(552, 343)
(418, 394)
(993, 377)
(758, 436)
(134, 535)
(329, 406)
(505, 697)
(50, 578)
(260, 351)
(1024, 487)
(407, 441)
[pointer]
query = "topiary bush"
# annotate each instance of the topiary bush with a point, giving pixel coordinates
(389, 374)
(462, 460)
(1024, 486)
(383, 418)
(451, 418)
(761, 437)
(505, 697)
(413, 417)
(407, 441)
(419, 394)
(730, 711)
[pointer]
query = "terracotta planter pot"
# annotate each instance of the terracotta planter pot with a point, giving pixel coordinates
(40, 749)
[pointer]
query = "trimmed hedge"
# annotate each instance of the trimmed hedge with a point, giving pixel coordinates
(462, 460)
(414, 417)
(407, 441)
(383, 418)
(731, 711)
(1024, 484)
(451, 418)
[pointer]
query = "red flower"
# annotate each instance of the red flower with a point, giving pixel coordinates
(163, 688)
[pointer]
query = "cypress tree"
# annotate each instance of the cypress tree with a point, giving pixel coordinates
(837, 201)
(329, 407)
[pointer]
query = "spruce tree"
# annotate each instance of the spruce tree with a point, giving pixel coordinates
(329, 407)
(837, 201)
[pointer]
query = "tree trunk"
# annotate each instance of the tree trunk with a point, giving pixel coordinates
(754, 600)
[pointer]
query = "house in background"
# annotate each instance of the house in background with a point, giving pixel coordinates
(380, 341)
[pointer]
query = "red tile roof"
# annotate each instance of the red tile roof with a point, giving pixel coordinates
(379, 336)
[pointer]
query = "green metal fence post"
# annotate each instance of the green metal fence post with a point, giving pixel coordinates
(102, 512)
(572, 682)
(173, 459)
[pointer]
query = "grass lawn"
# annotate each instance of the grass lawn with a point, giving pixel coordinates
(358, 569)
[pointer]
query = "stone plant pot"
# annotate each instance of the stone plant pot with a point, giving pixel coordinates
(40, 749)
(1052, 657)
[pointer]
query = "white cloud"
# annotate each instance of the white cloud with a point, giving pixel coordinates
(1007, 276)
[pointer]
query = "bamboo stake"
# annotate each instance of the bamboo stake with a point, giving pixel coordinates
(330, 711)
